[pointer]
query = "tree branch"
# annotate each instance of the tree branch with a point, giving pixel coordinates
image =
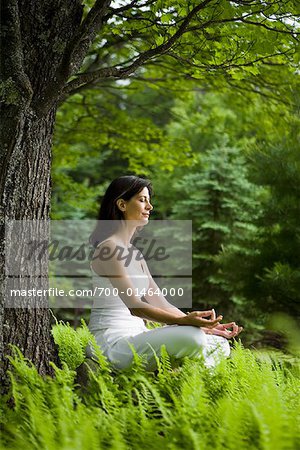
(229, 64)
(78, 47)
(250, 22)
(267, 27)
(252, 90)
(117, 72)
(125, 8)
(115, 11)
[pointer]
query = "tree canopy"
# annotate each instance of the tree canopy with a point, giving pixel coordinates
(104, 62)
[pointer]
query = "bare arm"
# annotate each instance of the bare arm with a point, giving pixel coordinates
(157, 299)
(114, 269)
(227, 330)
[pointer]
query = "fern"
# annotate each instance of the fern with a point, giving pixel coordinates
(250, 401)
(70, 343)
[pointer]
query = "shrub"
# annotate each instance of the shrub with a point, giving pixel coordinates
(250, 401)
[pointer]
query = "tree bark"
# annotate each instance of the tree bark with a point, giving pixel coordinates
(43, 45)
(34, 36)
(25, 195)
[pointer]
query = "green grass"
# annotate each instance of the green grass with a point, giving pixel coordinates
(250, 401)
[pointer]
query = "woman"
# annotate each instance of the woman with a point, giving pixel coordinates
(118, 311)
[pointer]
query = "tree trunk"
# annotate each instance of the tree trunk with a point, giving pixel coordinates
(34, 36)
(26, 196)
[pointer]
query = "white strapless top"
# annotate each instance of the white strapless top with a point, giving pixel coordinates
(110, 318)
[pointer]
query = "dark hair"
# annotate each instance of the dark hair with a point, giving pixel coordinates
(124, 187)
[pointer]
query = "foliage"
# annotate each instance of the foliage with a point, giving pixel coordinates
(242, 44)
(71, 343)
(98, 136)
(216, 194)
(267, 272)
(234, 161)
(244, 207)
(223, 204)
(250, 401)
(276, 266)
(171, 47)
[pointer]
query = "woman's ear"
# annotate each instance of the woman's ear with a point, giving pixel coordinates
(121, 204)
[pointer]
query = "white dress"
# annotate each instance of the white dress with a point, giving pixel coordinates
(110, 319)
(116, 329)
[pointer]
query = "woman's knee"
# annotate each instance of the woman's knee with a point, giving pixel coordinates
(224, 346)
(219, 343)
(193, 338)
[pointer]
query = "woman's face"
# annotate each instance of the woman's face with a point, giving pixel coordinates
(138, 207)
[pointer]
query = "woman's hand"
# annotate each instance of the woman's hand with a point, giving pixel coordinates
(197, 319)
(227, 330)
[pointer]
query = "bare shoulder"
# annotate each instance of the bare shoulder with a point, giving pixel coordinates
(105, 248)
(103, 252)
(108, 241)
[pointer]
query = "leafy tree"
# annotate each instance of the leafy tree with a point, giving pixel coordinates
(51, 50)
(222, 203)
(270, 274)
(239, 274)
(106, 134)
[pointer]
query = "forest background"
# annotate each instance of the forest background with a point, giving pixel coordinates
(201, 97)
(221, 149)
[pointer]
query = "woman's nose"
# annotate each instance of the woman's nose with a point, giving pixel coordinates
(149, 206)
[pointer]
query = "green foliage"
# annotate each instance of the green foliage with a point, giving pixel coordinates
(269, 273)
(250, 401)
(72, 343)
(242, 195)
(229, 175)
(100, 135)
(223, 204)
(224, 43)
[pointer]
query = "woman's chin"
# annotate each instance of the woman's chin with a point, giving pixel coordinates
(140, 222)
(143, 221)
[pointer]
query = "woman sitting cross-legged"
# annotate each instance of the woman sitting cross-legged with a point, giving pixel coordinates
(117, 315)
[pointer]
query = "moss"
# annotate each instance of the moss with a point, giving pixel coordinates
(44, 37)
(10, 93)
(59, 47)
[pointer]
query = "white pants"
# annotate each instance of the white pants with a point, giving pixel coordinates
(180, 341)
